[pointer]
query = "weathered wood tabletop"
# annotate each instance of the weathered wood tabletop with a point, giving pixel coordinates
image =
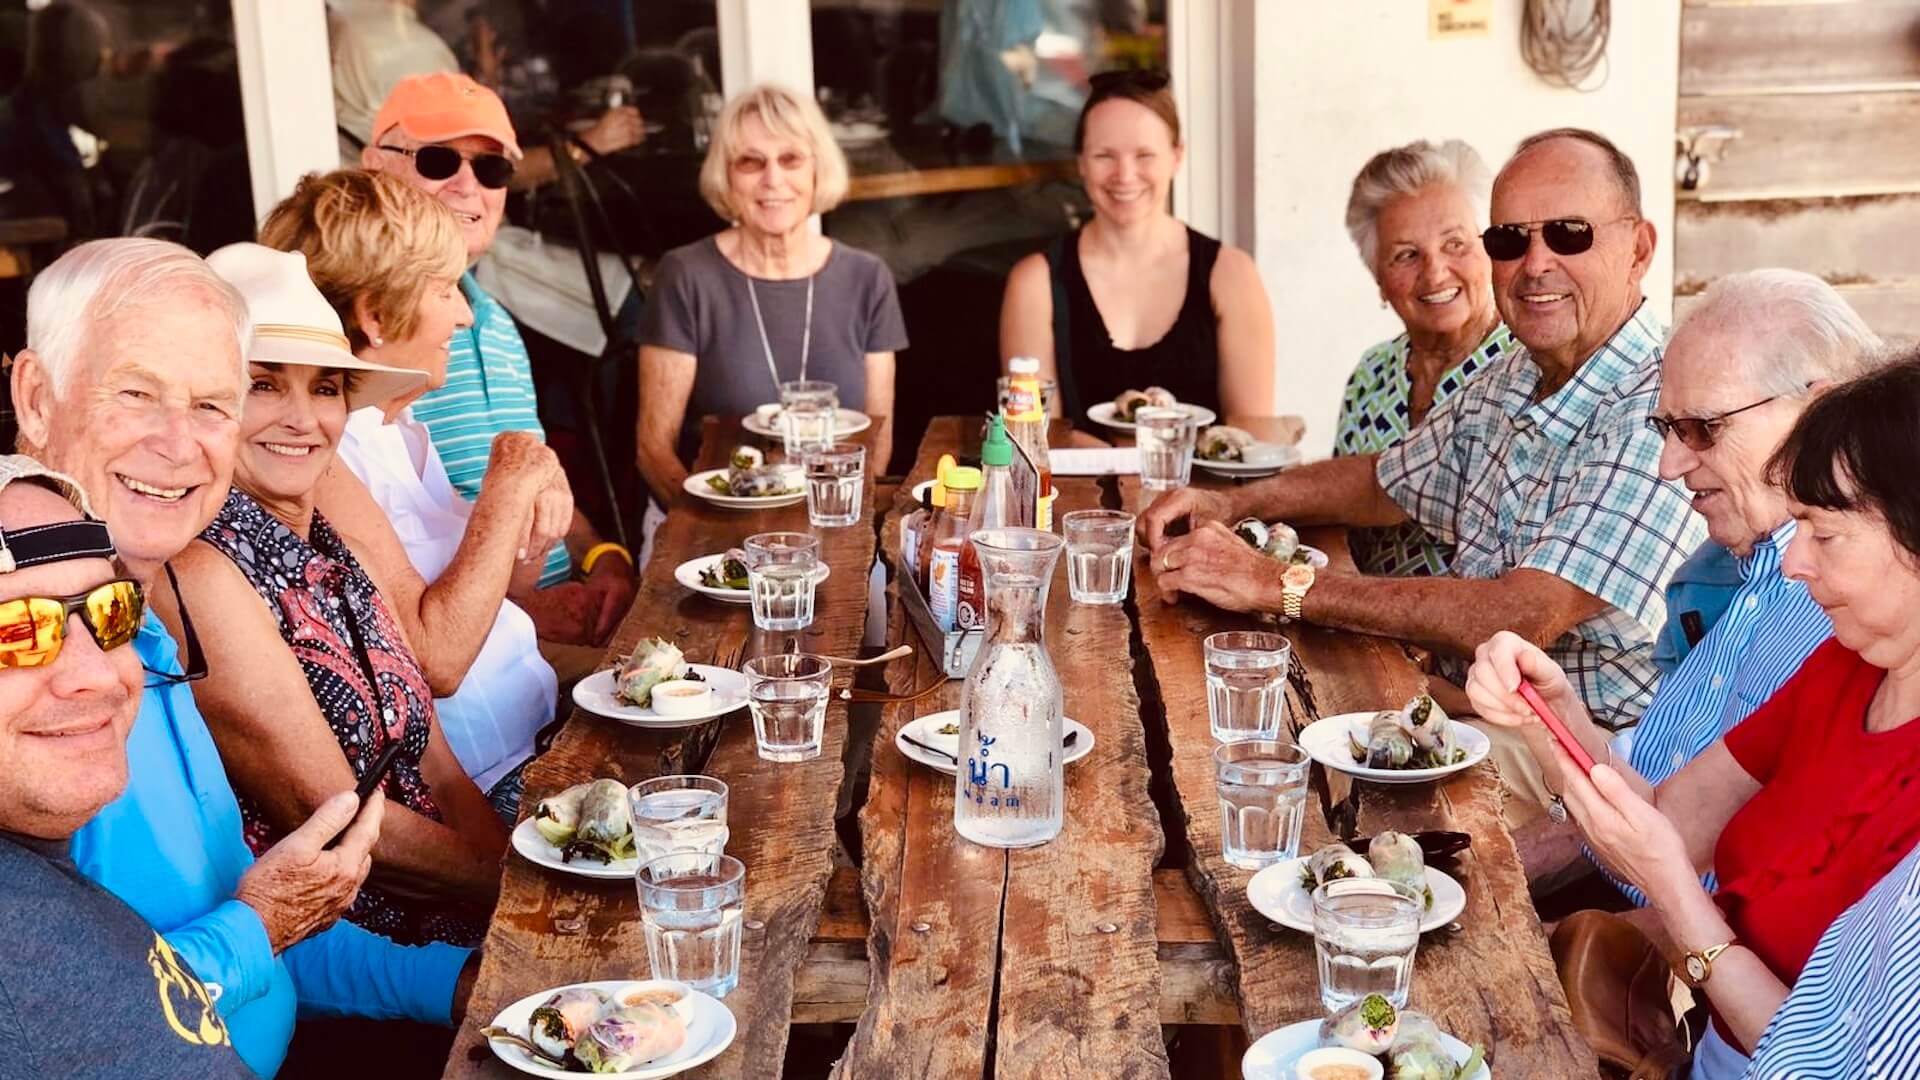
(551, 928)
(1066, 959)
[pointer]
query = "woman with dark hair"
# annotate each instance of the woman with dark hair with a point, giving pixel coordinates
(1813, 798)
(1135, 298)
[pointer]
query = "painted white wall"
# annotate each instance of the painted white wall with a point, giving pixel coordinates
(1335, 83)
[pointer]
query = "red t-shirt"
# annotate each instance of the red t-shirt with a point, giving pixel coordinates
(1838, 807)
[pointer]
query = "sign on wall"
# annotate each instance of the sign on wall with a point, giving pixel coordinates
(1448, 19)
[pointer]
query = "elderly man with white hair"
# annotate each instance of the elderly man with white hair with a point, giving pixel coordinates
(132, 382)
(1740, 368)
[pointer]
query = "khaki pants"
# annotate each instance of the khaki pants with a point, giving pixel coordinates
(1519, 774)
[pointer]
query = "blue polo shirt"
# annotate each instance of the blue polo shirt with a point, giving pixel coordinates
(170, 847)
(489, 390)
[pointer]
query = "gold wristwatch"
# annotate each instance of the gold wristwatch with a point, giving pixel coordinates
(1294, 584)
(1696, 967)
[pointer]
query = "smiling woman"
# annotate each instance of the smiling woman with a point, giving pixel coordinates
(1136, 298)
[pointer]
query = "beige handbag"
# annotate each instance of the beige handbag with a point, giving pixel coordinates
(1619, 986)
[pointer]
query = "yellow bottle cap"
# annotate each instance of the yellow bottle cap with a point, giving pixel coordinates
(940, 472)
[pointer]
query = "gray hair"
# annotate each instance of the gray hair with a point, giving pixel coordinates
(1797, 330)
(1404, 170)
(100, 278)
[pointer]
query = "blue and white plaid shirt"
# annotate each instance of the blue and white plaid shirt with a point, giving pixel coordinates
(1769, 629)
(1855, 1010)
(1568, 485)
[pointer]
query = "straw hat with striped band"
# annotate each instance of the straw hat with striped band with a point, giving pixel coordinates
(294, 324)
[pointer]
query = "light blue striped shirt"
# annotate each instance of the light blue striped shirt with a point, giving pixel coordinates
(1855, 1010)
(1769, 628)
(489, 390)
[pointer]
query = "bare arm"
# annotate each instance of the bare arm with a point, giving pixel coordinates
(461, 605)
(1246, 337)
(666, 383)
(1340, 490)
(280, 752)
(1451, 614)
(880, 369)
(1026, 319)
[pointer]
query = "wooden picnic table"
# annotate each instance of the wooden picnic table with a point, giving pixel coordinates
(963, 961)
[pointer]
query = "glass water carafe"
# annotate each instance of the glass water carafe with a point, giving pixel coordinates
(1009, 787)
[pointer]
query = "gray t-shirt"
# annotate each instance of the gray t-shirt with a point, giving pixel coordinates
(88, 989)
(701, 304)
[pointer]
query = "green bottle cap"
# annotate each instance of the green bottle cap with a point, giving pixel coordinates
(998, 449)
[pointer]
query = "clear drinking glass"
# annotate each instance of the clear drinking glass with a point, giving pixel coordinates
(1165, 438)
(1046, 393)
(1247, 684)
(1263, 800)
(1010, 788)
(835, 477)
(1365, 932)
(690, 908)
(806, 415)
(1099, 555)
(781, 578)
(787, 694)
(679, 813)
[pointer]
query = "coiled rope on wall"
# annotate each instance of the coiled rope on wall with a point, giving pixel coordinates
(1565, 41)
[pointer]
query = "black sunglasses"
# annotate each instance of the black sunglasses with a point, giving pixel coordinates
(441, 162)
(1149, 80)
(1698, 433)
(196, 663)
(1564, 236)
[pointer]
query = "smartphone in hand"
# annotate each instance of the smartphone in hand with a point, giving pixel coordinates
(371, 780)
(1559, 728)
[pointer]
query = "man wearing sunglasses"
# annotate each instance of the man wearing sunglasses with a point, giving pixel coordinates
(1542, 472)
(131, 383)
(451, 138)
(69, 689)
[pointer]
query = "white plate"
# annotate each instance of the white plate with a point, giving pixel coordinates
(595, 694)
(710, 1030)
(688, 574)
(1104, 415)
(1276, 893)
(845, 422)
(1326, 740)
(534, 847)
(858, 133)
(1315, 557)
(1267, 459)
(1273, 1056)
(696, 485)
(926, 729)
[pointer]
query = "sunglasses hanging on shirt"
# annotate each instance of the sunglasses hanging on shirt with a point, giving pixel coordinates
(442, 162)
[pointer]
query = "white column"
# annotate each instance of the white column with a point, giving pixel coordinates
(765, 41)
(1210, 57)
(286, 90)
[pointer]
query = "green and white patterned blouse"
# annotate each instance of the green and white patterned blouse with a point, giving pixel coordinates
(1374, 416)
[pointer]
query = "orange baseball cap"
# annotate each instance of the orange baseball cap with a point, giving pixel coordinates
(444, 106)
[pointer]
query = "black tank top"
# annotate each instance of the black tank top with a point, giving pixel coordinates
(1186, 360)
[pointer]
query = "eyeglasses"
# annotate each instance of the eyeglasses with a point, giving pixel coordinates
(1698, 432)
(441, 162)
(33, 629)
(1148, 80)
(1564, 236)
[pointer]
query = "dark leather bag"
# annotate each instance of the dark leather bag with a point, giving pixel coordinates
(1617, 987)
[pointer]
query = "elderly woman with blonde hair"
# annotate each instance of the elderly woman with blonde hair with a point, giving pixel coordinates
(1415, 213)
(767, 300)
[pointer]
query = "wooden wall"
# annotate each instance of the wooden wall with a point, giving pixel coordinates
(1825, 176)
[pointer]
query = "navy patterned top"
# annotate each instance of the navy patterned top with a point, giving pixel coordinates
(332, 617)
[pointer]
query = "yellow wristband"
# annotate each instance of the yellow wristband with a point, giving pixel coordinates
(597, 550)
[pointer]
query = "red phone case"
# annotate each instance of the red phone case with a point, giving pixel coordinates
(1554, 724)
